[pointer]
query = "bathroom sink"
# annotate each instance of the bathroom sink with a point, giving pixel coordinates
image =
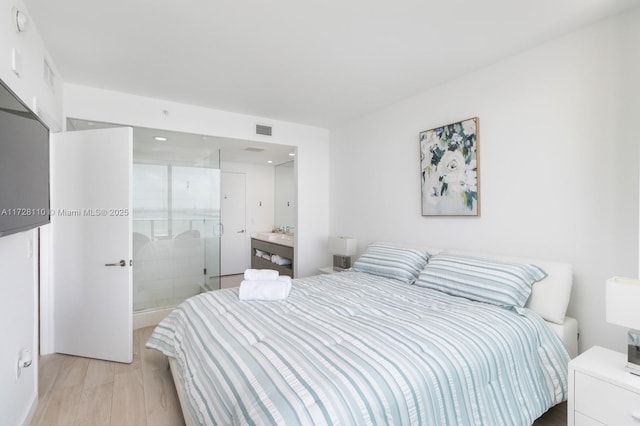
(274, 237)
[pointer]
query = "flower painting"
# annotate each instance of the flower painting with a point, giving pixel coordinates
(449, 170)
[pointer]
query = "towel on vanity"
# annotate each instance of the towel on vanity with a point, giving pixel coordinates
(261, 274)
(265, 289)
(279, 260)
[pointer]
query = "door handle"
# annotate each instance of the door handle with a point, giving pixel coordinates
(241, 231)
(121, 263)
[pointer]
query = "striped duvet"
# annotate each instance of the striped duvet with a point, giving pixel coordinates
(355, 349)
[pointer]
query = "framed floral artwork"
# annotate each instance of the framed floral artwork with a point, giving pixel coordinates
(449, 169)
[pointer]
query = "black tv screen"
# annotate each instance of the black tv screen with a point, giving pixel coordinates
(24, 166)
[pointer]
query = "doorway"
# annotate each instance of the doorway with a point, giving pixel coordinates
(181, 245)
(234, 254)
(199, 154)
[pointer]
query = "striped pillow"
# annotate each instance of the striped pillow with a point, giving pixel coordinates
(402, 264)
(483, 280)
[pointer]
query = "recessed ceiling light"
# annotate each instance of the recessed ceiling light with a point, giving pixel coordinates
(291, 154)
(270, 162)
(160, 138)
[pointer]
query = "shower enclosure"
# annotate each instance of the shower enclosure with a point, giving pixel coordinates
(176, 220)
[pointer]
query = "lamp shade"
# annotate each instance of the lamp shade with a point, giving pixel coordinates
(623, 302)
(342, 246)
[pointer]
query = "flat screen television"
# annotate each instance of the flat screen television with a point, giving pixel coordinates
(24, 166)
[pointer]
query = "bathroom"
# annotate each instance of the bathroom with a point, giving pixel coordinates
(196, 202)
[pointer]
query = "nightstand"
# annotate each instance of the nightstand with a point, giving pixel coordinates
(601, 392)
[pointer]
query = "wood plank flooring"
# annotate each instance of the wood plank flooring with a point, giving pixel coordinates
(78, 391)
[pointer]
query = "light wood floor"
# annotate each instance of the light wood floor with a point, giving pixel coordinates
(78, 391)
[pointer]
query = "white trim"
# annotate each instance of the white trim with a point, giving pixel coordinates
(46, 304)
(32, 411)
(149, 318)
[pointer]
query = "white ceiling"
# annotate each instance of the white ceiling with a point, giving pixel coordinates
(319, 62)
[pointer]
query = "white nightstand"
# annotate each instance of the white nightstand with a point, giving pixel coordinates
(601, 392)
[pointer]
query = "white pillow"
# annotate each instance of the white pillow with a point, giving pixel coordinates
(549, 296)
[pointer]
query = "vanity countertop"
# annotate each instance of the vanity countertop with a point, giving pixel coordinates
(274, 237)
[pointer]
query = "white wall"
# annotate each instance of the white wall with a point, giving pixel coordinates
(285, 195)
(19, 319)
(18, 279)
(558, 164)
(311, 143)
(260, 194)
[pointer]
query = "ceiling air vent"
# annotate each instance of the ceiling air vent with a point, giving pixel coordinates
(263, 130)
(254, 149)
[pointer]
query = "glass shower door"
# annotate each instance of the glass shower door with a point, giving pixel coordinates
(196, 210)
(176, 233)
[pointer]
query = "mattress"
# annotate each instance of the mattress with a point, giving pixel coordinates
(352, 348)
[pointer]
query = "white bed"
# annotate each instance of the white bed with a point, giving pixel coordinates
(368, 302)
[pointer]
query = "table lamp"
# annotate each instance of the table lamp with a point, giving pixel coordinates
(342, 249)
(623, 308)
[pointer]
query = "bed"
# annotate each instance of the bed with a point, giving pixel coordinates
(371, 345)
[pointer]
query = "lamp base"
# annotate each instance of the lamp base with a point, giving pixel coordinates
(633, 352)
(341, 262)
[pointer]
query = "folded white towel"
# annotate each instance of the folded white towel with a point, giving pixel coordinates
(265, 290)
(261, 274)
(279, 260)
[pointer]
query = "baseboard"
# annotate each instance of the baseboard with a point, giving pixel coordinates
(149, 318)
(32, 411)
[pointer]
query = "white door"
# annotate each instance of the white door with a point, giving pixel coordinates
(91, 201)
(235, 254)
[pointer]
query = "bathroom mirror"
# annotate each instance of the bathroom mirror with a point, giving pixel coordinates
(284, 195)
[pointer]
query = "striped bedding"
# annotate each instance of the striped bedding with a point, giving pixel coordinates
(355, 349)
